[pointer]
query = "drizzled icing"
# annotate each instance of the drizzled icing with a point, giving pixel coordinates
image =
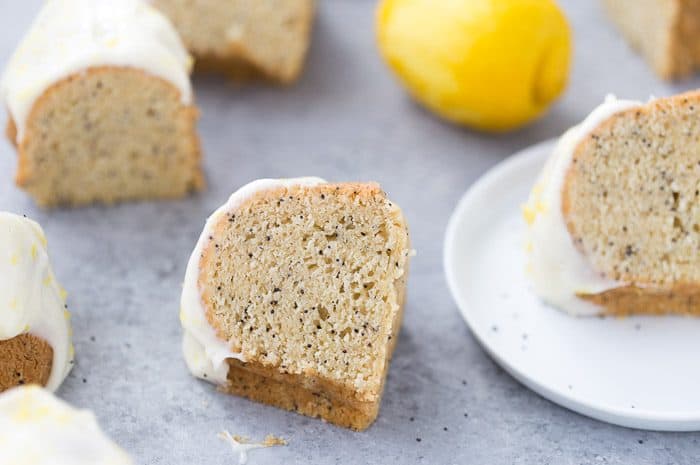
(31, 300)
(204, 352)
(559, 271)
(36, 428)
(70, 36)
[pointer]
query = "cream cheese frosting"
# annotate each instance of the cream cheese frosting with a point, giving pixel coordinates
(558, 270)
(206, 354)
(70, 36)
(36, 428)
(31, 300)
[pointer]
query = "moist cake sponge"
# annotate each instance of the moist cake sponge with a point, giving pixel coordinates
(294, 297)
(245, 38)
(101, 117)
(615, 217)
(24, 359)
(666, 32)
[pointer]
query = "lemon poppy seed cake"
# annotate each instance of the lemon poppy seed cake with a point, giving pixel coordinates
(294, 296)
(666, 32)
(615, 216)
(101, 107)
(36, 428)
(35, 335)
(245, 38)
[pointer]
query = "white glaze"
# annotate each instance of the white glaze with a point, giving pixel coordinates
(70, 36)
(557, 268)
(204, 352)
(36, 428)
(31, 300)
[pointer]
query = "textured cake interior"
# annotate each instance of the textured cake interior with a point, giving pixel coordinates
(109, 134)
(632, 195)
(665, 31)
(24, 359)
(308, 283)
(270, 35)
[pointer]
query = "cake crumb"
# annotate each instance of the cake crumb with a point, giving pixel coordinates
(241, 445)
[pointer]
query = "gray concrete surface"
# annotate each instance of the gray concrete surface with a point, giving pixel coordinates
(446, 401)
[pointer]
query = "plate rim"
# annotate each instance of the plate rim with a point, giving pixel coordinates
(640, 418)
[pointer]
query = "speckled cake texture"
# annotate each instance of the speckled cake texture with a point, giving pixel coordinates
(614, 217)
(632, 206)
(100, 106)
(24, 359)
(70, 161)
(306, 282)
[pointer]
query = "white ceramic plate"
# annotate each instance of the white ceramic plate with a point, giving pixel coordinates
(640, 372)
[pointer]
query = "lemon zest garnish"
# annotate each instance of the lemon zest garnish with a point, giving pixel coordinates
(183, 316)
(540, 207)
(529, 214)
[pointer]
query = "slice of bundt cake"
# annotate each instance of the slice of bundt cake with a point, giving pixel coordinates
(101, 106)
(245, 38)
(666, 32)
(39, 429)
(615, 216)
(294, 296)
(35, 336)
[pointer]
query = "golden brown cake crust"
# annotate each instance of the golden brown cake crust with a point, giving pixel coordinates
(684, 48)
(294, 398)
(234, 68)
(24, 359)
(309, 393)
(644, 293)
(11, 132)
(31, 171)
(632, 300)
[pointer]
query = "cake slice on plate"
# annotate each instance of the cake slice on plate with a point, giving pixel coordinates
(245, 38)
(101, 108)
(614, 220)
(294, 296)
(35, 334)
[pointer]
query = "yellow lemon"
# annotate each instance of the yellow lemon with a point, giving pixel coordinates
(490, 64)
